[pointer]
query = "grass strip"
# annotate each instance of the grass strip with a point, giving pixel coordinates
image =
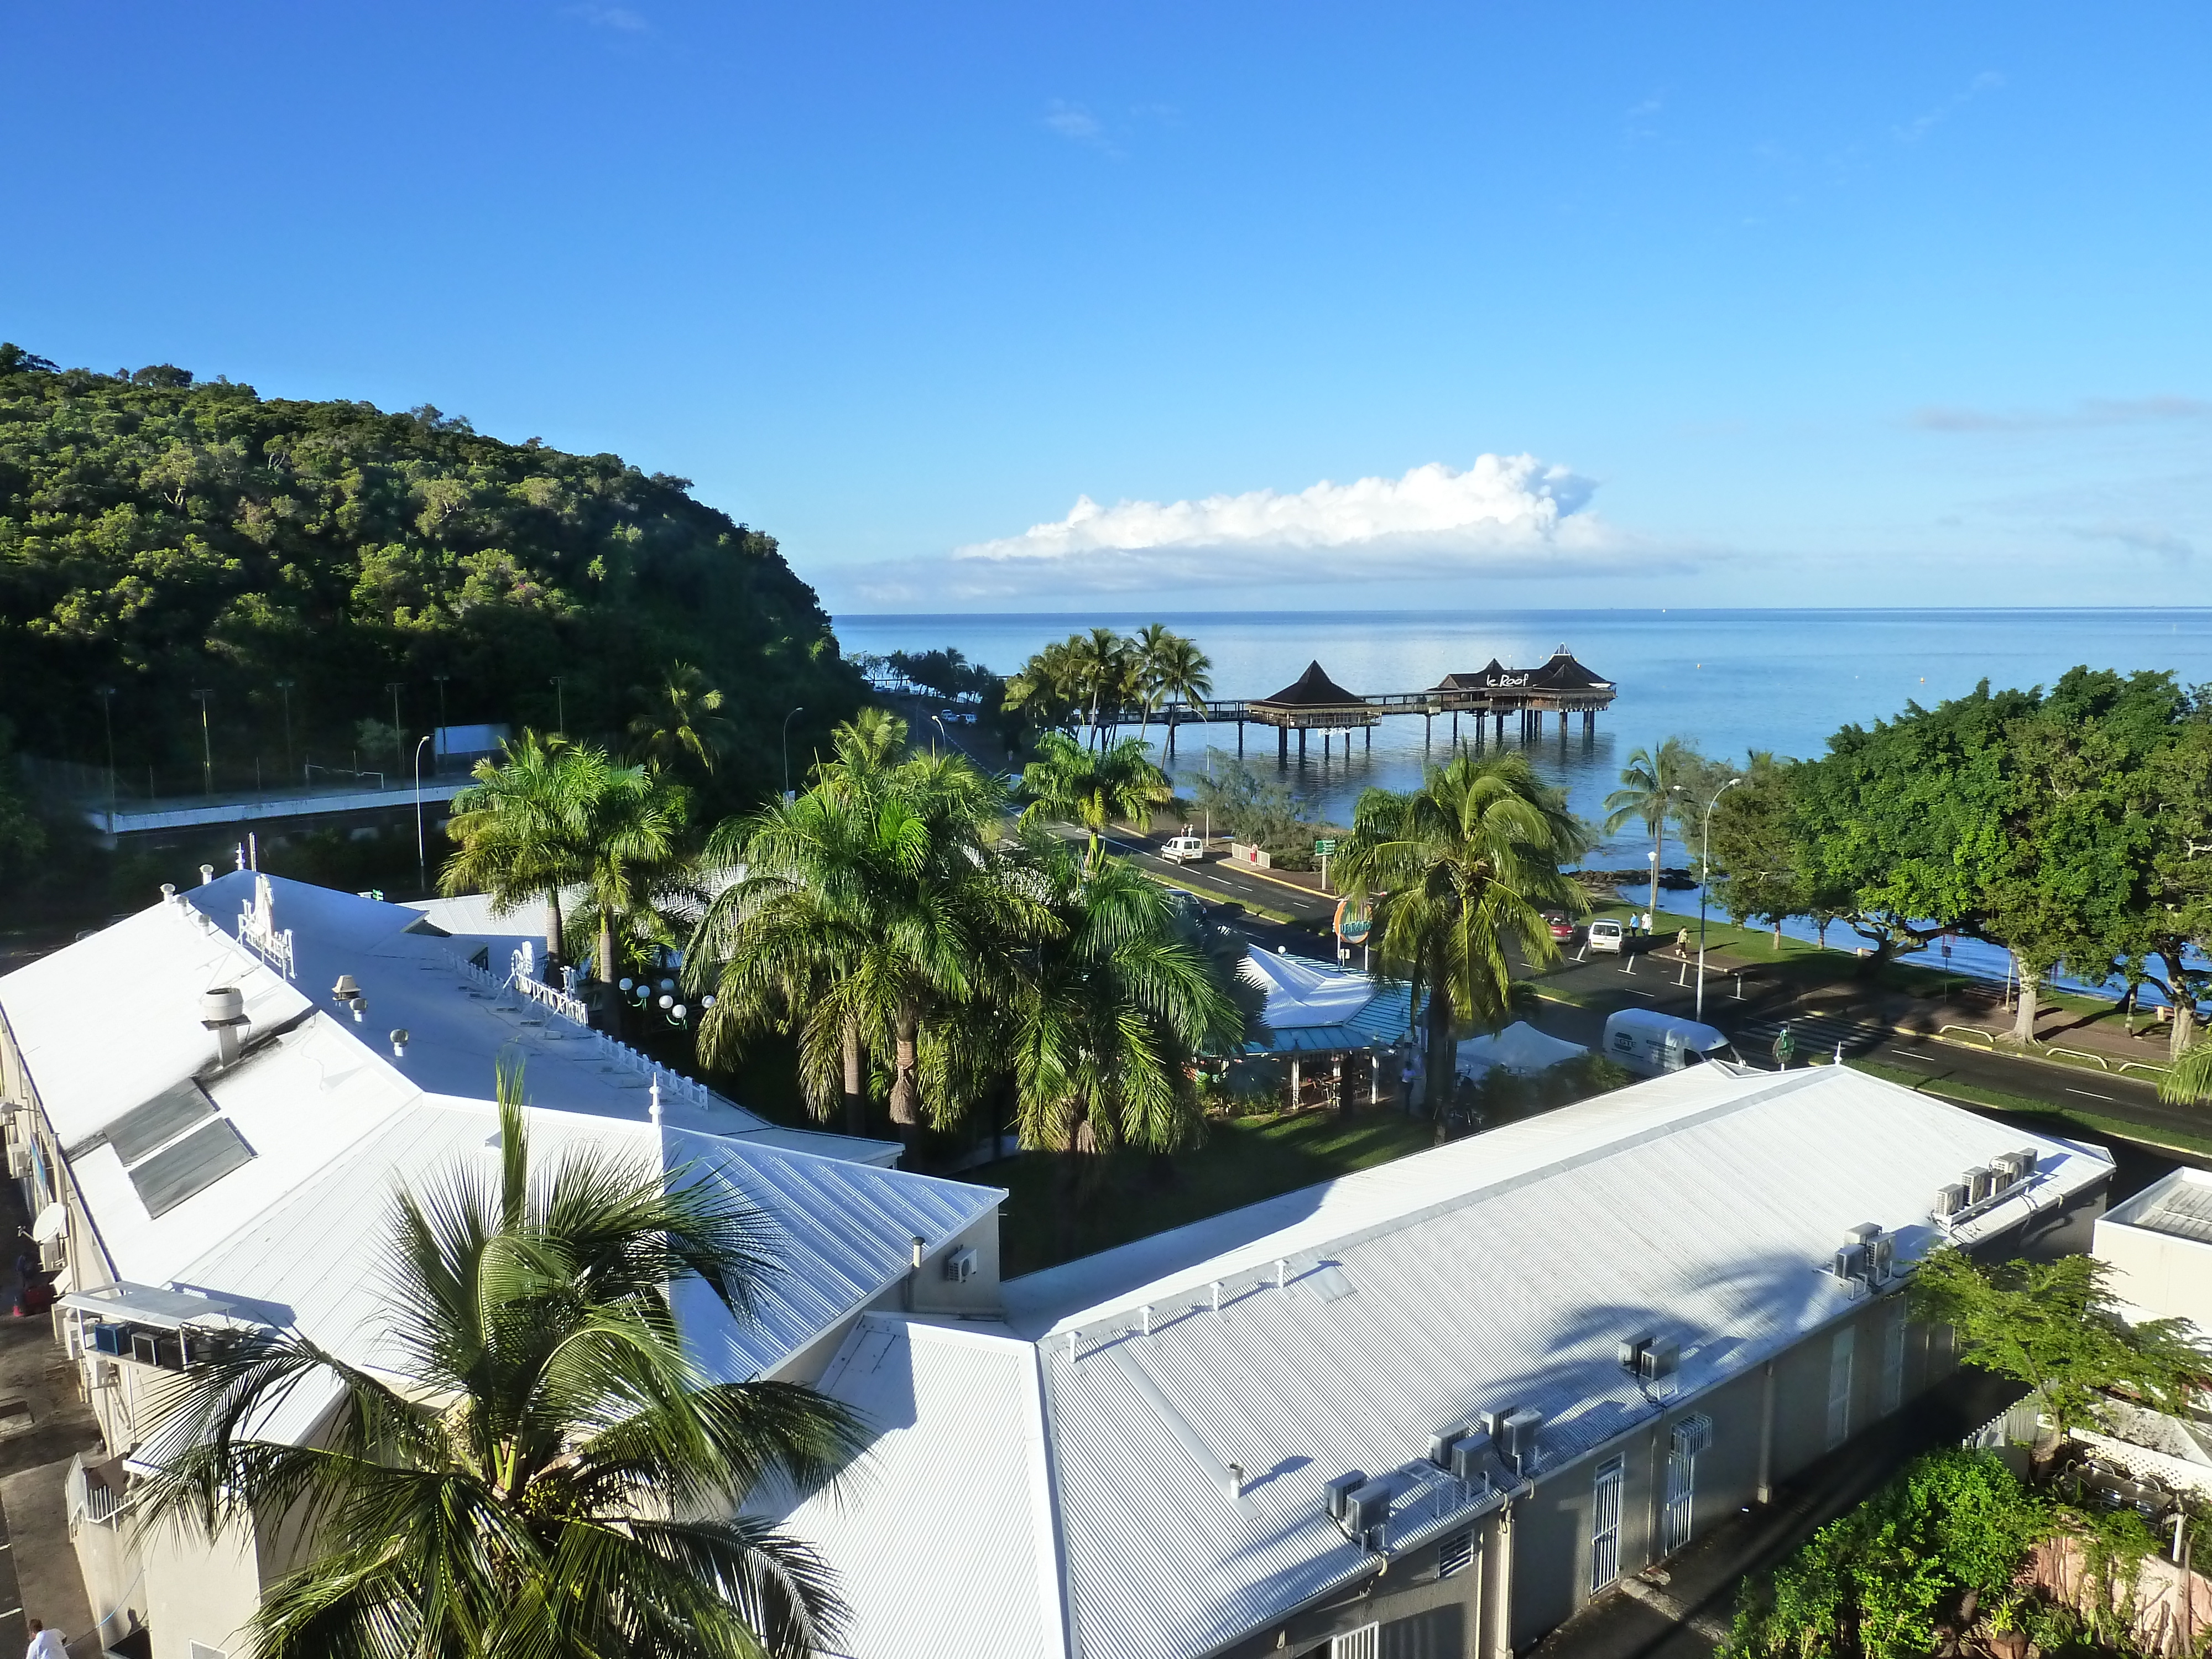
(1973, 1094)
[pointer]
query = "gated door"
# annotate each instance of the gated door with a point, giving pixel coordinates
(1605, 1526)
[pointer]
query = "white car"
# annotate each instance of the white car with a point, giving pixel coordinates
(1605, 936)
(1184, 850)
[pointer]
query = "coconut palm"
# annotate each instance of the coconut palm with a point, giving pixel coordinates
(1175, 670)
(865, 922)
(633, 864)
(1459, 871)
(542, 1465)
(1092, 788)
(518, 827)
(2188, 1080)
(1112, 1004)
(1651, 785)
(682, 720)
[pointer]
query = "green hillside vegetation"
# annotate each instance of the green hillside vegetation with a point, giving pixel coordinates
(161, 536)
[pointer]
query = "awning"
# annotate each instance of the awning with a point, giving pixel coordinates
(1313, 1007)
(53, 1223)
(1519, 1048)
(149, 1304)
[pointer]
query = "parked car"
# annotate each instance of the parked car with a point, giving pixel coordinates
(1185, 849)
(1605, 935)
(1561, 924)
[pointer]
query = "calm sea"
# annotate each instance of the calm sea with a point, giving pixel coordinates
(1727, 681)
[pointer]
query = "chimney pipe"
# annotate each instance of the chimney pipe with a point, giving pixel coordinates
(913, 1272)
(222, 1011)
(206, 874)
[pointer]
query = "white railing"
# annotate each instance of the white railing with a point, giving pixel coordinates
(552, 997)
(272, 944)
(90, 1499)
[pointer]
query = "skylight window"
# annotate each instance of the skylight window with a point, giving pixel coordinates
(192, 1164)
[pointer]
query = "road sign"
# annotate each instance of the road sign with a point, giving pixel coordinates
(1325, 848)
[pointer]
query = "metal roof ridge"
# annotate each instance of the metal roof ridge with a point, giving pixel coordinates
(1263, 1252)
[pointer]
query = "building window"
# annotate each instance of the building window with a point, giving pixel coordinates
(1366, 1642)
(1839, 1386)
(1454, 1552)
(1893, 1357)
(1605, 1526)
(1692, 1436)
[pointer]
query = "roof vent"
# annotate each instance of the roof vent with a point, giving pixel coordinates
(346, 989)
(222, 1011)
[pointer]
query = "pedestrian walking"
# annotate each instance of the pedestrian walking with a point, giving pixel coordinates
(1785, 1048)
(44, 1644)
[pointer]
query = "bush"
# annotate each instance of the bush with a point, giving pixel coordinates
(1876, 1581)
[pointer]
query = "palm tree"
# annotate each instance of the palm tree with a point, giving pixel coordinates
(865, 922)
(632, 864)
(1649, 792)
(682, 720)
(518, 827)
(1174, 669)
(1111, 1007)
(1458, 871)
(2188, 1081)
(541, 1466)
(1092, 788)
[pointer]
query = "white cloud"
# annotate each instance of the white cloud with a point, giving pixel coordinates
(1075, 123)
(2144, 538)
(1503, 516)
(618, 18)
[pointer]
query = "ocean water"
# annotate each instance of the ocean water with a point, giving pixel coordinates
(1727, 681)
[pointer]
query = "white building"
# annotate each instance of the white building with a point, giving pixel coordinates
(195, 1158)
(1133, 1457)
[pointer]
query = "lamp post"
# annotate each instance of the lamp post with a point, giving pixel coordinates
(1704, 886)
(560, 706)
(941, 733)
(801, 709)
(284, 690)
(422, 855)
(106, 696)
(207, 746)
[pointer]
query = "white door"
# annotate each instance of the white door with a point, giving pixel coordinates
(1839, 1386)
(1366, 1642)
(1605, 1526)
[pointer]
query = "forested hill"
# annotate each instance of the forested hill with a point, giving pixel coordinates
(161, 536)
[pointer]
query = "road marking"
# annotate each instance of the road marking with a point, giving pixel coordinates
(2092, 1094)
(1908, 1059)
(1631, 991)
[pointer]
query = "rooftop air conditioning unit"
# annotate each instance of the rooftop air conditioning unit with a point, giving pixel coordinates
(1662, 1357)
(1440, 1444)
(1881, 1260)
(1473, 1458)
(1366, 1510)
(145, 1346)
(99, 1372)
(960, 1265)
(1631, 1352)
(1949, 1201)
(111, 1339)
(1339, 1492)
(1981, 1184)
(1850, 1262)
(53, 1254)
(1518, 1442)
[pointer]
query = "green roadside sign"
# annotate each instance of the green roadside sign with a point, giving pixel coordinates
(1324, 847)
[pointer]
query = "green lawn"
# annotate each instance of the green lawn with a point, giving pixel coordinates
(1999, 1100)
(1242, 1161)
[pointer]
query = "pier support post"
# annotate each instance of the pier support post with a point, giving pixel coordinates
(1428, 729)
(1589, 722)
(1371, 739)
(1240, 740)
(1302, 745)
(1455, 731)
(1563, 723)
(1282, 745)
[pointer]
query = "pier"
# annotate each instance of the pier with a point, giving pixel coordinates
(1493, 693)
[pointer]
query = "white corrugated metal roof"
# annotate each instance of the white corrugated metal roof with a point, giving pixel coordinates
(335, 1123)
(1498, 1271)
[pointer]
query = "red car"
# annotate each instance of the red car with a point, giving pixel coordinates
(1561, 924)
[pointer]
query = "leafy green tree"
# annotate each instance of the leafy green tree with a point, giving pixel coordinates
(2170, 922)
(1460, 873)
(159, 534)
(2056, 1327)
(1873, 1583)
(681, 721)
(518, 827)
(1236, 797)
(544, 1467)
(1111, 1005)
(1649, 794)
(1094, 787)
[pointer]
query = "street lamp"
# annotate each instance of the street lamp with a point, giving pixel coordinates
(560, 706)
(1704, 886)
(941, 733)
(801, 709)
(398, 755)
(207, 744)
(422, 855)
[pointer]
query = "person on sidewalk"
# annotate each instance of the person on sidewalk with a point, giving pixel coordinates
(44, 1644)
(1785, 1048)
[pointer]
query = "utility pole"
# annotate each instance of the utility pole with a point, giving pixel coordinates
(1704, 886)
(437, 750)
(106, 696)
(284, 690)
(787, 751)
(207, 744)
(399, 739)
(560, 706)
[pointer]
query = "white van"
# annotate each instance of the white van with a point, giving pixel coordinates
(1604, 936)
(1649, 1043)
(1184, 849)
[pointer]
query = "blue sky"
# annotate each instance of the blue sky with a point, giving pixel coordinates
(1747, 305)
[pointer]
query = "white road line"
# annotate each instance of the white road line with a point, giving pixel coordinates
(2092, 1094)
